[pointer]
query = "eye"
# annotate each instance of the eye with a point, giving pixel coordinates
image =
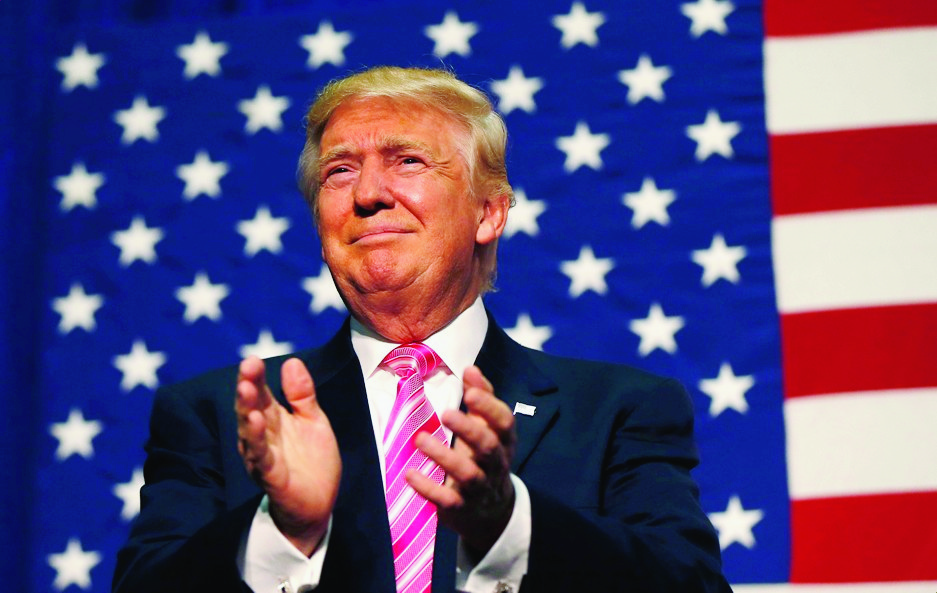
(339, 169)
(411, 160)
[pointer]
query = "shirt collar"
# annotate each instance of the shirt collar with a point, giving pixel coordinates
(457, 344)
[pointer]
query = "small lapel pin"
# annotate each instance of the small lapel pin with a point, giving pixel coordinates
(525, 409)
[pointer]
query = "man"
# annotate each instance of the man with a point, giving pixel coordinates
(387, 460)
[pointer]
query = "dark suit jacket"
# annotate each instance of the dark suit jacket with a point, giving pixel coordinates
(606, 458)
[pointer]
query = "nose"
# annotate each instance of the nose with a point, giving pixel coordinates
(371, 191)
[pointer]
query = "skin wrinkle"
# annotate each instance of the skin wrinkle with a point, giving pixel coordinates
(389, 145)
(398, 219)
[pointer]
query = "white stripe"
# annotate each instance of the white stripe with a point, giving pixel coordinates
(406, 410)
(398, 506)
(416, 566)
(906, 587)
(862, 443)
(858, 258)
(852, 80)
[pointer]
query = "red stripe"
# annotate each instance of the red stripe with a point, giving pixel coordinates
(865, 538)
(816, 17)
(859, 349)
(870, 168)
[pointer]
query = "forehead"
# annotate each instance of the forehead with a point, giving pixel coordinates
(376, 121)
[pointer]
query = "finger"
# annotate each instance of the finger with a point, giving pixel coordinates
(472, 431)
(492, 410)
(245, 399)
(251, 375)
(473, 377)
(456, 462)
(441, 496)
(480, 400)
(298, 387)
(251, 369)
(253, 444)
(251, 395)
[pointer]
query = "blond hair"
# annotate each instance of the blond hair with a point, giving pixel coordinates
(437, 89)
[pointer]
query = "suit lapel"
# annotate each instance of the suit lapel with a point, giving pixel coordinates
(516, 379)
(360, 556)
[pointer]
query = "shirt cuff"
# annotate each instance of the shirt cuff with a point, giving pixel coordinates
(269, 562)
(506, 561)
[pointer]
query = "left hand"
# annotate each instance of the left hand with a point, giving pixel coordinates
(477, 498)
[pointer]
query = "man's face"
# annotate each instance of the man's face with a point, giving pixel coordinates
(396, 210)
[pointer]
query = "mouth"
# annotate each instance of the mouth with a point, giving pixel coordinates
(379, 234)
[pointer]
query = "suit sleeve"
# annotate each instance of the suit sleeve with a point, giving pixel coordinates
(646, 532)
(187, 534)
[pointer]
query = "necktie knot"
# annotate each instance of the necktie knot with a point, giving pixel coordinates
(412, 358)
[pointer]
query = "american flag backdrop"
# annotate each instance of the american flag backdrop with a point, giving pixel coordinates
(738, 194)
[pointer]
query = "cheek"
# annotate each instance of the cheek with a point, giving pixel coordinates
(331, 214)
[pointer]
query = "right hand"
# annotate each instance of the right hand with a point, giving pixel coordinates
(293, 457)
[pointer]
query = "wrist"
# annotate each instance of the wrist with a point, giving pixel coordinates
(304, 535)
(479, 541)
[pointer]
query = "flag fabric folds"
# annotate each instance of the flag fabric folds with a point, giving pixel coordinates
(852, 118)
(739, 196)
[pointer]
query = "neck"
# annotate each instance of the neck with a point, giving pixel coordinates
(401, 319)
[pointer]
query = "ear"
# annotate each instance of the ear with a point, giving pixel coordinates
(494, 217)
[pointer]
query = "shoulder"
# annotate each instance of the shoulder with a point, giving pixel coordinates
(213, 391)
(594, 371)
(322, 359)
(608, 387)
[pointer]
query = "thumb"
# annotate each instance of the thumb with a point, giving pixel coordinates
(298, 387)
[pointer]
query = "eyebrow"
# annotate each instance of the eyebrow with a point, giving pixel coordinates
(390, 144)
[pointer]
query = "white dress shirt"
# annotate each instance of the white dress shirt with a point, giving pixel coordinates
(270, 563)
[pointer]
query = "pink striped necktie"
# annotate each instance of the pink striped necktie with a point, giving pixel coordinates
(412, 518)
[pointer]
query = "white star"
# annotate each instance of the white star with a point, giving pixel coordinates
(137, 242)
(139, 366)
(649, 203)
(263, 232)
(75, 435)
(326, 45)
(73, 566)
(579, 26)
(587, 272)
(202, 56)
(265, 347)
(516, 91)
(656, 331)
(707, 15)
(583, 148)
(645, 80)
(202, 298)
(129, 493)
(522, 218)
(527, 334)
(139, 121)
(451, 36)
(735, 524)
(323, 291)
(263, 111)
(719, 261)
(727, 391)
(77, 309)
(80, 68)
(202, 176)
(713, 136)
(78, 187)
